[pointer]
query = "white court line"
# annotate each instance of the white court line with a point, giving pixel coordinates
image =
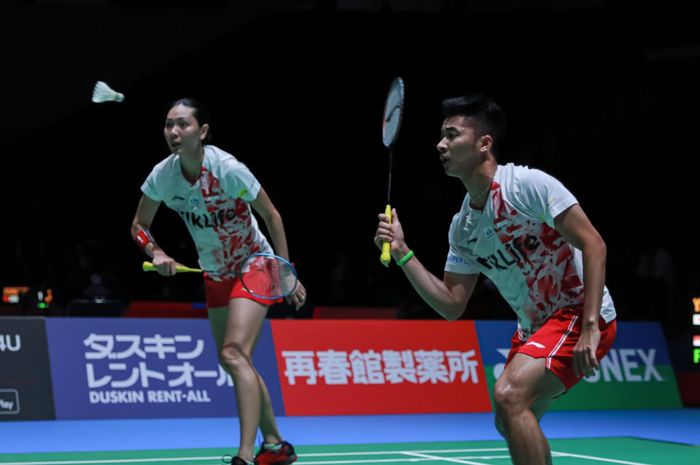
(149, 460)
(446, 459)
(79, 462)
(420, 456)
(386, 452)
(347, 462)
(417, 458)
(218, 458)
(599, 459)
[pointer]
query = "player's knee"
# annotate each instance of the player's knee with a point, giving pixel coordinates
(506, 399)
(500, 395)
(234, 358)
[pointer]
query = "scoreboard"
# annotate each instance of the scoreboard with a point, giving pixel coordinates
(26, 297)
(696, 331)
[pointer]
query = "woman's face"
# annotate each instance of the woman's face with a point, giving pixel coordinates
(182, 131)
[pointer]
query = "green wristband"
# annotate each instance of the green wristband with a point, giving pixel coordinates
(405, 258)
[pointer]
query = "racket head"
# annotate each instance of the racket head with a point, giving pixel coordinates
(268, 276)
(393, 113)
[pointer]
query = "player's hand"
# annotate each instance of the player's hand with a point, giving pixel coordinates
(165, 265)
(584, 359)
(390, 232)
(298, 297)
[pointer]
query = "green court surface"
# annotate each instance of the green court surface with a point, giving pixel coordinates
(622, 450)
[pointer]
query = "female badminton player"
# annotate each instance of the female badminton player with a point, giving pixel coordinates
(213, 193)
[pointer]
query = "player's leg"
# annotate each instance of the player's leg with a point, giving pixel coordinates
(539, 408)
(536, 372)
(245, 319)
(268, 423)
(523, 385)
(217, 322)
(235, 327)
(218, 295)
(275, 450)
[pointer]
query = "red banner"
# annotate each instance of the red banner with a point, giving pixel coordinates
(353, 367)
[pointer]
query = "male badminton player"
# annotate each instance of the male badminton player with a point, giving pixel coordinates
(525, 231)
(213, 193)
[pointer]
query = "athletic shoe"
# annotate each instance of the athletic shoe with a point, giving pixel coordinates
(282, 456)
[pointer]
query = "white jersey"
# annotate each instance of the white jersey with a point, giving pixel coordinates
(514, 243)
(215, 208)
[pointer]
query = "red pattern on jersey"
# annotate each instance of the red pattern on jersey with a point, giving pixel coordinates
(544, 258)
(235, 233)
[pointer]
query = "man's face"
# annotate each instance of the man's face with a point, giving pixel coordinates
(459, 147)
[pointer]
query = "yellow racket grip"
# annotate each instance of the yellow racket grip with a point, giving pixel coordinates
(148, 266)
(386, 246)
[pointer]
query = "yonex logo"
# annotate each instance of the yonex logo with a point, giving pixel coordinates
(9, 402)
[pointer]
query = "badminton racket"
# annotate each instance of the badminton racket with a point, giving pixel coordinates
(268, 276)
(264, 275)
(393, 113)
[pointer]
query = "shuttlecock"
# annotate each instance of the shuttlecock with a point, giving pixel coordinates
(103, 93)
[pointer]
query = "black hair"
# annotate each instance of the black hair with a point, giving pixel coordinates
(487, 115)
(199, 112)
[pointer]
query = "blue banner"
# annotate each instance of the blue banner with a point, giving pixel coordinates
(146, 368)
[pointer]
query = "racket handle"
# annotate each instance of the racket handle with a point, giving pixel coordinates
(386, 246)
(148, 266)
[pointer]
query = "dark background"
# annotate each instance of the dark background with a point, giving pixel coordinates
(602, 95)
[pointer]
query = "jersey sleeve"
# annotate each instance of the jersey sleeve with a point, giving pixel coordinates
(458, 262)
(150, 186)
(240, 182)
(542, 196)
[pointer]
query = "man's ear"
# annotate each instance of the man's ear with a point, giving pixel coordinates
(486, 143)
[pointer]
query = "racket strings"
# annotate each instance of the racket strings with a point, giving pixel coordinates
(269, 277)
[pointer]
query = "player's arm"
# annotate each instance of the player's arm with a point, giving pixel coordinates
(141, 234)
(447, 296)
(273, 221)
(575, 227)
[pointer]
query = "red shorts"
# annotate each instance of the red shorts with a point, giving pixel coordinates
(555, 341)
(220, 292)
